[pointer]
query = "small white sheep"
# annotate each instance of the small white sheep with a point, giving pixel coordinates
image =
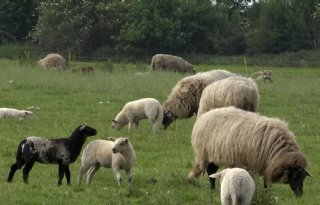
(134, 111)
(237, 186)
(117, 154)
(53, 60)
(264, 74)
(14, 113)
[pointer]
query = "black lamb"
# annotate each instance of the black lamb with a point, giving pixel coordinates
(63, 151)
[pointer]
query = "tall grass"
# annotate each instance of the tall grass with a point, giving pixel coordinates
(67, 99)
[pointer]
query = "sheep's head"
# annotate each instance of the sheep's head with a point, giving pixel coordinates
(294, 177)
(120, 144)
(168, 118)
(28, 114)
(117, 125)
(87, 130)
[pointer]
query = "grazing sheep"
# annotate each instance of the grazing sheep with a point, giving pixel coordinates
(87, 70)
(236, 138)
(11, 112)
(237, 186)
(53, 60)
(170, 63)
(184, 99)
(117, 154)
(63, 151)
(265, 75)
(134, 111)
(235, 91)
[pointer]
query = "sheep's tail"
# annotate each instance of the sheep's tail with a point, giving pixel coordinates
(152, 65)
(160, 115)
(19, 154)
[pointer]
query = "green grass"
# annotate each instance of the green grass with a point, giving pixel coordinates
(68, 99)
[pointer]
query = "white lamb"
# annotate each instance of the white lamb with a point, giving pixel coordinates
(14, 113)
(117, 154)
(237, 186)
(134, 111)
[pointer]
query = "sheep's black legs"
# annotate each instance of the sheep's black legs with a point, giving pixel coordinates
(26, 171)
(67, 172)
(61, 173)
(13, 170)
(211, 169)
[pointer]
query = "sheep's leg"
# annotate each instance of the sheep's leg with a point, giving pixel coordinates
(136, 125)
(83, 169)
(13, 170)
(26, 170)
(118, 175)
(211, 169)
(128, 172)
(61, 173)
(91, 172)
(67, 173)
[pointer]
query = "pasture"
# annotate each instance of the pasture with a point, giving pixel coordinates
(63, 100)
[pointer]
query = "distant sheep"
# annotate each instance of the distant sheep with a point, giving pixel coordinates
(237, 186)
(236, 138)
(235, 91)
(171, 63)
(134, 111)
(86, 70)
(117, 154)
(14, 113)
(53, 60)
(184, 99)
(265, 75)
(63, 152)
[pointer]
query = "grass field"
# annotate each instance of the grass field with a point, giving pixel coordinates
(67, 99)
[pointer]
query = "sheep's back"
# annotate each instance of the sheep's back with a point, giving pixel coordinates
(99, 151)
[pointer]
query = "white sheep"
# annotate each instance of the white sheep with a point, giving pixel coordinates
(117, 154)
(134, 111)
(237, 186)
(264, 74)
(170, 63)
(14, 113)
(53, 60)
(235, 91)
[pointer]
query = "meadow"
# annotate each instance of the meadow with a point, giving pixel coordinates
(63, 100)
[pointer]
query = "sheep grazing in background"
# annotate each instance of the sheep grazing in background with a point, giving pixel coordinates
(53, 60)
(134, 111)
(237, 186)
(265, 75)
(14, 113)
(117, 154)
(184, 99)
(171, 63)
(87, 70)
(63, 152)
(235, 91)
(236, 138)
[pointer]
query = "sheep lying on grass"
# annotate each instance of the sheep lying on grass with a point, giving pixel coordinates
(184, 99)
(237, 186)
(236, 138)
(170, 63)
(233, 91)
(14, 113)
(134, 111)
(53, 60)
(264, 74)
(61, 151)
(117, 154)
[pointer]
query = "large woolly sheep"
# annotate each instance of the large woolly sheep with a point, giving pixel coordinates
(117, 154)
(53, 60)
(184, 99)
(134, 111)
(236, 138)
(14, 113)
(170, 63)
(235, 91)
(62, 151)
(237, 186)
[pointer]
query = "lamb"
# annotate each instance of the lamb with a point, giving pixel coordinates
(184, 99)
(117, 154)
(236, 138)
(265, 75)
(237, 186)
(63, 152)
(14, 113)
(235, 91)
(170, 63)
(53, 60)
(86, 70)
(134, 111)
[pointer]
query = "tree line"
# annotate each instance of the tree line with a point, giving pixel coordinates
(146, 27)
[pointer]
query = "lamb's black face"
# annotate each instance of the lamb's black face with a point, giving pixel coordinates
(167, 119)
(296, 177)
(87, 130)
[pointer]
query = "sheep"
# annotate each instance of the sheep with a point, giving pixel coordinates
(236, 138)
(86, 70)
(62, 151)
(14, 113)
(53, 60)
(134, 111)
(170, 63)
(235, 91)
(265, 75)
(117, 154)
(184, 99)
(237, 186)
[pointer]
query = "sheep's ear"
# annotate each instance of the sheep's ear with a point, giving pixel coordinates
(114, 121)
(126, 140)
(216, 175)
(83, 127)
(111, 139)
